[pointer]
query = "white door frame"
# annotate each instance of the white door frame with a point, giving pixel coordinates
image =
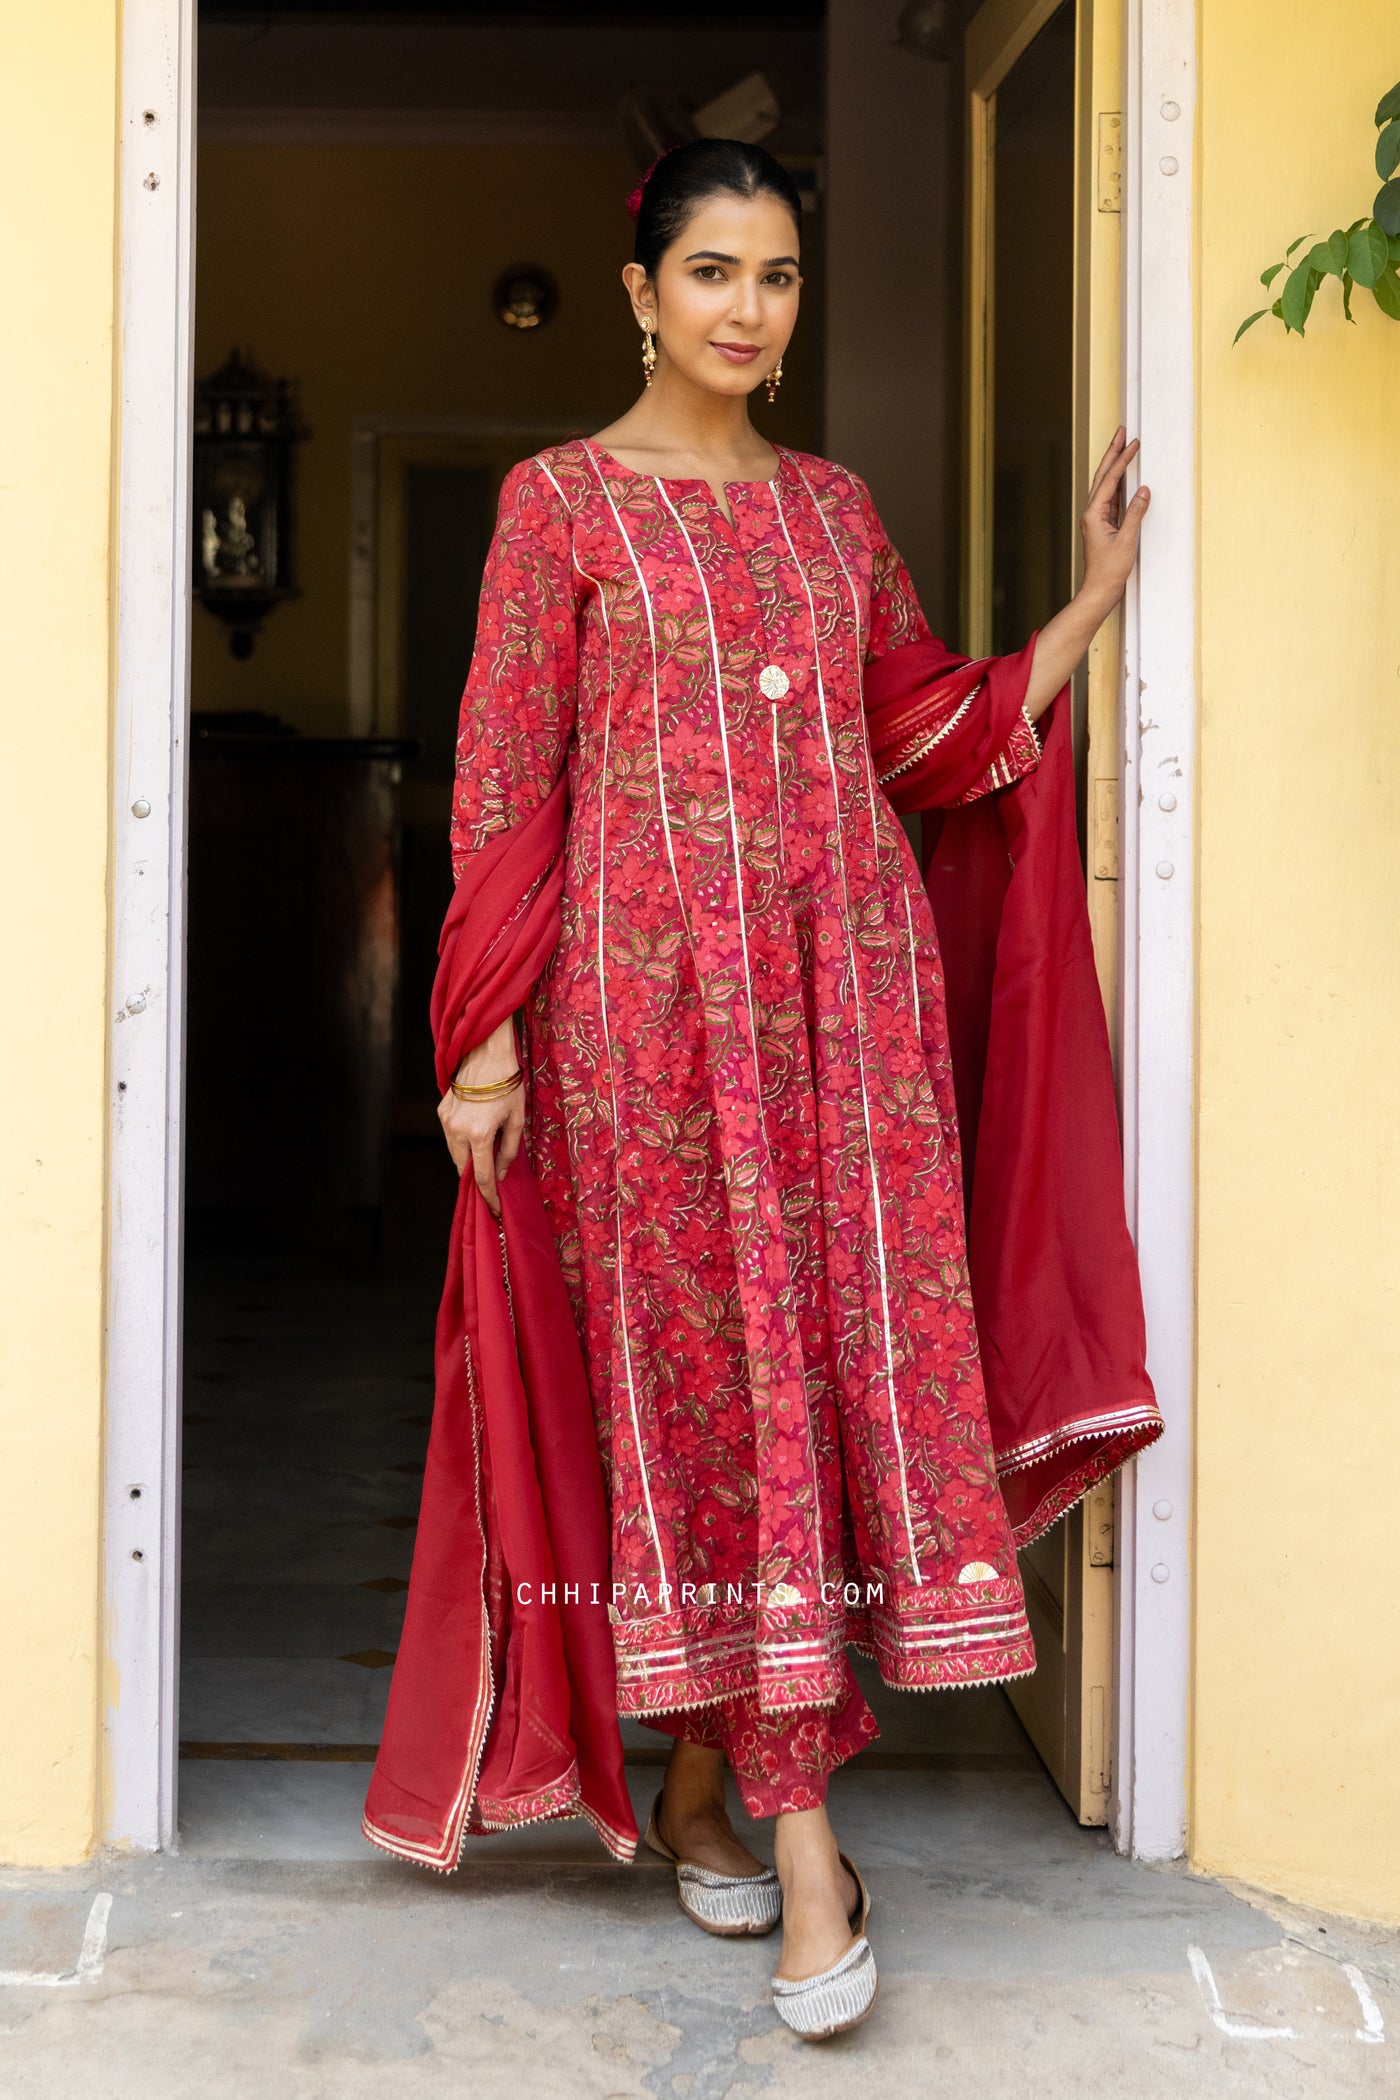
(148, 886)
(146, 994)
(1148, 1811)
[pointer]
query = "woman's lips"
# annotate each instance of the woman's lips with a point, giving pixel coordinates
(737, 353)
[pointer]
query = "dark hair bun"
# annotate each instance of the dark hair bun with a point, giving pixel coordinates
(676, 185)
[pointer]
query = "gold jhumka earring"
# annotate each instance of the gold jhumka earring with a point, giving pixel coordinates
(775, 380)
(648, 352)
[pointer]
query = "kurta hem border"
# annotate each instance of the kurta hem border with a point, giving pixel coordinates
(941, 1635)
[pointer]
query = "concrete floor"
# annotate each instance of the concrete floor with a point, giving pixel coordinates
(276, 1957)
(1018, 1955)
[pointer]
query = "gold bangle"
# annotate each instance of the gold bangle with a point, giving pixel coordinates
(490, 1092)
(493, 1087)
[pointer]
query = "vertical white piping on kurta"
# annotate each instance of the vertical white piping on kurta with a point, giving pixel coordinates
(860, 1014)
(728, 782)
(607, 1045)
(871, 782)
(743, 924)
(913, 962)
(626, 539)
(778, 797)
(859, 651)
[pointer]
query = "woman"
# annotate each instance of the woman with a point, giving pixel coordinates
(740, 1100)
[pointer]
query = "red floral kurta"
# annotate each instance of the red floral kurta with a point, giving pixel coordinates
(740, 1095)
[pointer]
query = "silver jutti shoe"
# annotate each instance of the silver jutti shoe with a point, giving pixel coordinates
(731, 1905)
(841, 1996)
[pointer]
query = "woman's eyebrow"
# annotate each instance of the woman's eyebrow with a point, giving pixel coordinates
(713, 255)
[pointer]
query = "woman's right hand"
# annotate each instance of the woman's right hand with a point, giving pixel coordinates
(473, 1128)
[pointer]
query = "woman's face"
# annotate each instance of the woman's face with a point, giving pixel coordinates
(724, 299)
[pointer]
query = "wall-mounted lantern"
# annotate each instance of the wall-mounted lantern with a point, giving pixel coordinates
(245, 426)
(525, 297)
(932, 28)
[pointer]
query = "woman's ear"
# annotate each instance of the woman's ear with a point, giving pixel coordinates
(639, 291)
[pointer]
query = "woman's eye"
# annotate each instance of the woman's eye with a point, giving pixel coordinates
(780, 277)
(708, 271)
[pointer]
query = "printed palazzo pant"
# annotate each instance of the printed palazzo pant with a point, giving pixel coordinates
(780, 1760)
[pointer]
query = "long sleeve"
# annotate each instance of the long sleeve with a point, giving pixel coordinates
(520, 700)
(896, 619)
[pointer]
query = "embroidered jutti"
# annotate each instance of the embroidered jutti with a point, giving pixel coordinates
(740, 1092)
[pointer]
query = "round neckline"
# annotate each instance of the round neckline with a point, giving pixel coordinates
(685, 481)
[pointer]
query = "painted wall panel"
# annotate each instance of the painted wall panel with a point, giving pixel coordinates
(1297, 1693)
(58, 105)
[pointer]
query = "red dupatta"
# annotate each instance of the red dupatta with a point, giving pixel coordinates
(1055, 1284)
(503, 1704)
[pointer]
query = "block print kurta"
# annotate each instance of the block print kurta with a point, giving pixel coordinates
(740, 1102)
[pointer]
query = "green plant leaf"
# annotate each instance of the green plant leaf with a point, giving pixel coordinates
(1386, 293)
(1346, 297)
(1368, 253)
(1388, 106)
(1298, 296)
(1294, 244)
(1394, 245)
(1277, 309)
(1249, 323)
(1388, 149)
(1387, 206)
(1329, 257)
(1355, 227)
(1266, 277)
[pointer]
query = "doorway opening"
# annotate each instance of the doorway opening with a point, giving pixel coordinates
(367, 184)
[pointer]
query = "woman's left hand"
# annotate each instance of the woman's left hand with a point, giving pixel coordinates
(1110, 527)
(1110, 530)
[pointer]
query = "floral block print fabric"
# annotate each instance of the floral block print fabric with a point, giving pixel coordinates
(739, 1090)
(781, 1761)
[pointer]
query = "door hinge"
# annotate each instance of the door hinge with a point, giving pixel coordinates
(1098, 1524)
(1105, 840)
(1100, 1758)
(1110, 172)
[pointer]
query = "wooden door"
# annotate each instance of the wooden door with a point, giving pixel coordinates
(1043, 385)
(424, 508)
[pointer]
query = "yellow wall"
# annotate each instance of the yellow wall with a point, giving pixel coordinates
(365, 274)
(58, 91)
(1297, 1704)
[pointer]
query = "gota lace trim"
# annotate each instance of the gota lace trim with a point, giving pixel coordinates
(1035, 1448)
(922, 750)
(1105, 1453)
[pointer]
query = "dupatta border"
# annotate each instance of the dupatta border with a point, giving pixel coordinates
(561, 1800)
(447, 1853)
(1137, 1428)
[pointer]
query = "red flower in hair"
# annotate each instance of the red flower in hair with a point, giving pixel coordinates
(634, 196)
